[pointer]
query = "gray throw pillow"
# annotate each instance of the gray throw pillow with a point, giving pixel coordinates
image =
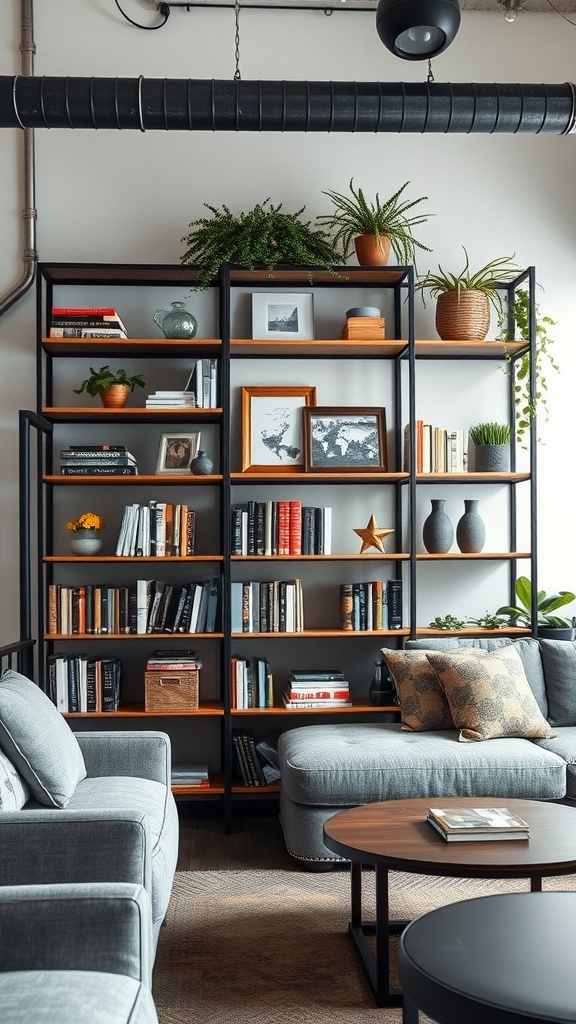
(559, 660)
(38, 741)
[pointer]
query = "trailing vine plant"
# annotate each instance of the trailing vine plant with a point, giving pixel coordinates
(527, 408)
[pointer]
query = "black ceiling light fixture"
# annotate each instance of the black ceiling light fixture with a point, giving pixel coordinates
(417, 29)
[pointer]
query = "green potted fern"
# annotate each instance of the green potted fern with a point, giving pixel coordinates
(264, 236)
(549, 626)
(492, 447)
(464, 299)
(375, 226)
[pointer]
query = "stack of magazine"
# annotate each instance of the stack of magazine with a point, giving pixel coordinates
(477, 823)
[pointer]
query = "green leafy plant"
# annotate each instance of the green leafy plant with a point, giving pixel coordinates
(265, 235)
(100, 380)
(447, 622)
(485, 280)
(355, 215)
(546, 603)
(527, 407)
(490, 433)
(489, 621)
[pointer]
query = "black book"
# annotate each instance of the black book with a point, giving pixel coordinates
(184, 624)
(94, 448)
(203, 609)
(212, 608)
(97, 470)
(308, 530)
(240, 758)
(274, 527)
(260, 512)
(104, 600)
(251, 505)
(394, 593)
(237, 530)
(254, 760)
(91, 684)
(110, 683)
(73, 684)
(314, 675)
(318, 532)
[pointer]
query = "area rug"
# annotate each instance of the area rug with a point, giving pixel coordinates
(271, 947)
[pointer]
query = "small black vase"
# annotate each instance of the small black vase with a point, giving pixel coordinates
(382, 689)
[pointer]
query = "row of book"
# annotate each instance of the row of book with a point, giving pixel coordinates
(267, 607)
(281, 528)
(86, 322)
(375, 605)
(437, 450)
(82, 683)
(249, 767)
(147, 606)
(171, 400)
(203, 383)
(252, 683)
(97, 460)
(159, 529)
(192, 773)
(316, 689)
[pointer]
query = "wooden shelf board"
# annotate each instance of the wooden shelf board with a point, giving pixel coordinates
(328, 633)
(151, 478)
(358, 707)
(63, 413)
(135, 558)
(471, 478)
(155, 348)
(379, 348)
(132, 636)
(423, 631)
(469, 349)
(315, 477)
(216, 788)
(367, 556)
(458, 556)
(207, 709)
(272, 787)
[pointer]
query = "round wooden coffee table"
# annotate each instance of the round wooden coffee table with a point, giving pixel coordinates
(395, 836)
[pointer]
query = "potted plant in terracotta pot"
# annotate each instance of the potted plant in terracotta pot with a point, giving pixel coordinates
(464, 299)
(113, 387)
(375, 227)
(551, 627)
(492, 444)
(266, 236)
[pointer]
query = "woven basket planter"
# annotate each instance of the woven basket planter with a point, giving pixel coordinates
(462, 317)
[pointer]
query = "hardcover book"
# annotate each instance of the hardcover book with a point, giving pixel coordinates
(480, 823)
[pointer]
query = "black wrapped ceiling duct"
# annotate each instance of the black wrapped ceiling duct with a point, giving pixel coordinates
(195, 105)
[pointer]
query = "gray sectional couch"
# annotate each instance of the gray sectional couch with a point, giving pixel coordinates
(328, 768)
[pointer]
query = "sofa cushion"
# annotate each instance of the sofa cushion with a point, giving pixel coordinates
(564, 745)
(423, 704)
(14, 792)
(74, 997)
(38, 741)
(559, 661)
(489, 694)
(346, 765)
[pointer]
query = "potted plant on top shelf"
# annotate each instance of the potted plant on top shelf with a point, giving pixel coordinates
(375, 227)
(464, 299)
(549, 626)
(265, 235)
(112, 387)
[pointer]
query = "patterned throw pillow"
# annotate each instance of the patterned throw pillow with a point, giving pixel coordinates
(14, 792)
(489, 694)
(423, 706)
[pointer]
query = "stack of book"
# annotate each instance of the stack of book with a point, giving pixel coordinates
(437, 450)
(158, 529)
(171, 400)
(252, 683)
(317, 688)
(97, 460)
(86, 322)
(203, 383)
(281, 528)
(466, 824)
(267, 607)
(193, 774)
(375, 605)
(85, 684)
(248, 765)
(364, 328)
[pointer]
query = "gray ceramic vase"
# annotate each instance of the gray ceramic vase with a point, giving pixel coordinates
(493, 458)
(470, 531)
(437, 531)
(202, 465)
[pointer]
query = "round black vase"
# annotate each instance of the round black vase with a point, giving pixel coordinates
(382, 689)
(437, 531)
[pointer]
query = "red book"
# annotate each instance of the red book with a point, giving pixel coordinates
(295, 528)
(83, 311)
(283, 527)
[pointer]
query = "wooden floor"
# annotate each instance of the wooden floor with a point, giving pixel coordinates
(255, 840)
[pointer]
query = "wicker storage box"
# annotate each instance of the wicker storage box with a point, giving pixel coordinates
(171, 690)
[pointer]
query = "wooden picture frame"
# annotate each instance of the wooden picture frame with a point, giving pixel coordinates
(272, 426)
(176, 451)
(283, 316)
(343, 439)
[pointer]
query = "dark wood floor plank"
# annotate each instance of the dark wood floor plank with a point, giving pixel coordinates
(255, 841)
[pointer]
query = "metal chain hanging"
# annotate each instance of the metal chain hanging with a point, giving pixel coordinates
(237, 75)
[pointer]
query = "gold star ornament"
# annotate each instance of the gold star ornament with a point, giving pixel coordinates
(373, 536)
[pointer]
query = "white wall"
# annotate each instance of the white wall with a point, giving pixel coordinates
(129, 196)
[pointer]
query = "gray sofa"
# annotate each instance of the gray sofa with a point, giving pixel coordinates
(78, 953)
(327, 768)
(86, 807)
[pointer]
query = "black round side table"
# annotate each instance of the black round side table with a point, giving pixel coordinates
(492, 960)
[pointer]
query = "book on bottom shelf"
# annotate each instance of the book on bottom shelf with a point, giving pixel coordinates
(477, 823)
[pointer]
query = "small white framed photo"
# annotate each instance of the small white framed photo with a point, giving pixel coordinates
(176, 451)
(283, 316)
